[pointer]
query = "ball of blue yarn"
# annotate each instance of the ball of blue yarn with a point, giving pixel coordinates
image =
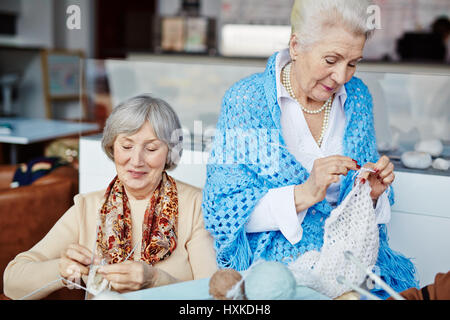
(270, 280)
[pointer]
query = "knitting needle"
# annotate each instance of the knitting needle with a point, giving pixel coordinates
(50, 283)
(39, 289)
(349, 255)
(135, 246)
(361, 291)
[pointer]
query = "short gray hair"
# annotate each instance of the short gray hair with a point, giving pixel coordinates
(129, 116)
(308, 17)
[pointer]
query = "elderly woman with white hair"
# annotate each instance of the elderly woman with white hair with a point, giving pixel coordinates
(145, 230)
(309, 126)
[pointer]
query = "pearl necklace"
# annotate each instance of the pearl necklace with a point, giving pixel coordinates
(286, 80)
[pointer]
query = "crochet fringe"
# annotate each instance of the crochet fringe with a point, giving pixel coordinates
(395, 269)
(238, 255)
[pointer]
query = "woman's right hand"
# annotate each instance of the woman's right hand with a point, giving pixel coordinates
(324, 172)
(74, 262)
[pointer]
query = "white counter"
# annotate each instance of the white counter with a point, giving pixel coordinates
(420, 223)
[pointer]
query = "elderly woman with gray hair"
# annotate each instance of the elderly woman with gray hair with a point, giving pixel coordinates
(146, 229)
(304, 125)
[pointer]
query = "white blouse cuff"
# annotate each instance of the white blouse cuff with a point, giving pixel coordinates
(276, 211)
(383, 209)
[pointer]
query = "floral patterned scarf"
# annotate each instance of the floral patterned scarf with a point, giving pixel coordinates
(159, 229)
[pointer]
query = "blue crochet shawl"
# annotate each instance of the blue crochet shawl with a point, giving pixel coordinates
(249, 157)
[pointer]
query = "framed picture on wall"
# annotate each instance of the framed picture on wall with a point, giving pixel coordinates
(62, 76)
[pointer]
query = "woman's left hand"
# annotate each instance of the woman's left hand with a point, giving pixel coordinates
(129, 275)
(382, 178)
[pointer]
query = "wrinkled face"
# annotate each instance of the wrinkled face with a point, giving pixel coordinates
(140, 159)
(322, 69)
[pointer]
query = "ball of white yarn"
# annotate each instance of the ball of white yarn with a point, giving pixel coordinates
(431, 146)
(416, 160)
(270, 280)
(441, 164)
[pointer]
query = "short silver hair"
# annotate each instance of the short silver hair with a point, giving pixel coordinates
(308, 17)
(129, 116)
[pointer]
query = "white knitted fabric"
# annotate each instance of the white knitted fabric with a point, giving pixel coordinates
(96, 283)
(350, 227)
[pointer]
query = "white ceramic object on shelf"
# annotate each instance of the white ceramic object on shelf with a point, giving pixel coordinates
(432, 146)
(416, 159)
(441, 164)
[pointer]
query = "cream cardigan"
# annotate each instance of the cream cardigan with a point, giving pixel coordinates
(193, 258)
